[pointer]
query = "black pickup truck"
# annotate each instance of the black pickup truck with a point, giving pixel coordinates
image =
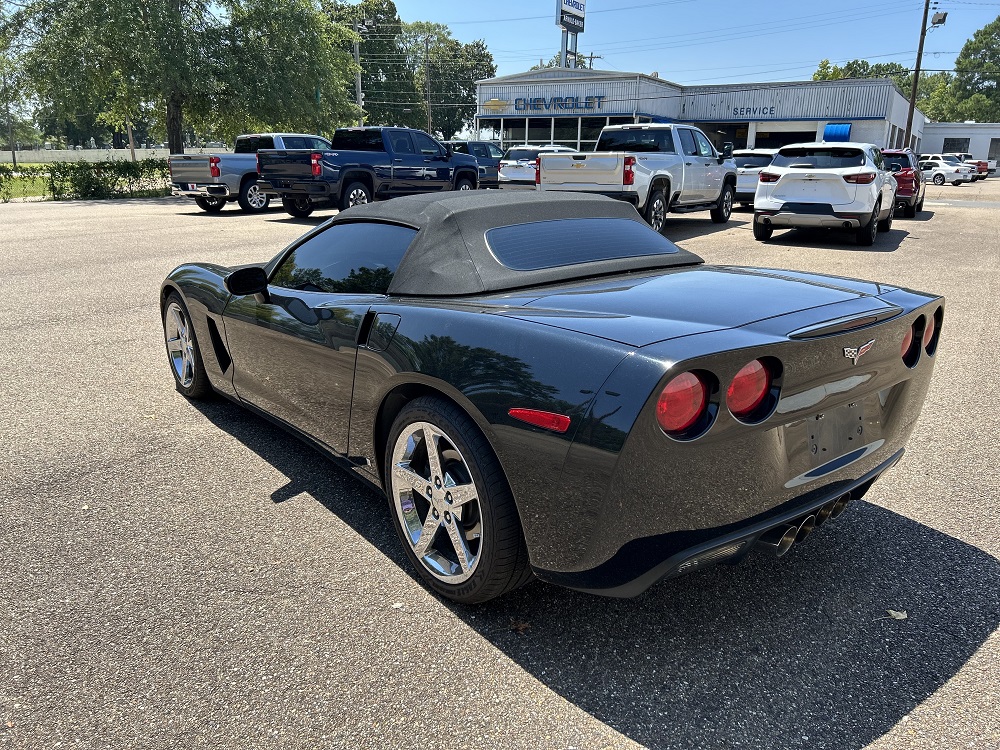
(362, 165)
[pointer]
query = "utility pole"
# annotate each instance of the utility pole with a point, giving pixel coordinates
(427, 81)
(937, 20)
(357, 71)
(593, 57)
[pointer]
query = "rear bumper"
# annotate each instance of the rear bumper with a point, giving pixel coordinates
(629, 196)
(198, 190)
(815, 215)
(643, 562)
(746, 196)
(320, 191)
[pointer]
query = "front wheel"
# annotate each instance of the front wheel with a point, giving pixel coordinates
(182, 350)
(761, 231)
(252, 199)
(464, 184)
(356, 194)
(939, 179)
(212, 205)
(656, 211)
(451, 505)
(297, 207)
(724, 208)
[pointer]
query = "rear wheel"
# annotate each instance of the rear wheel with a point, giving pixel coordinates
(451, 505)
(956, 183)
(656, 211)
(761, 231)
(212, 205)
(865, 235)
(298, 207)
(356, 194)
(724, 208)
(182, 350)
(251, 199)
(939, 179)
(886, 224)
(920, 206)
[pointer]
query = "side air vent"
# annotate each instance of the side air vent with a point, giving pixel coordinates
(218, 347)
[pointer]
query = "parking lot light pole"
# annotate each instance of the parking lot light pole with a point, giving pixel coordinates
(937, 20)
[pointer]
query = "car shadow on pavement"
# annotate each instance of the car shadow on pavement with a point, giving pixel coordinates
(827, 239)
(925, 215)
(678, 229)
(797, 652)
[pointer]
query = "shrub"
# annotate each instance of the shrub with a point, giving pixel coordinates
(82, 179)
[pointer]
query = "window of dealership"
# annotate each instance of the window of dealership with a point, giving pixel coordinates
(569, 107)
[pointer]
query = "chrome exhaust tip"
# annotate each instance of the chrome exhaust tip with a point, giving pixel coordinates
(839, 506)
(765, 221)
(848, 225)
(779, 539)
(823, 514)
(805, 528)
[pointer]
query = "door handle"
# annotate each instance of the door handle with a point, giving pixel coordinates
(688, 163)
(397, 161)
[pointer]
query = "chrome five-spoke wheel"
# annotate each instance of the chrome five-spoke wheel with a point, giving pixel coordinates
(180, 346)
(436, 502)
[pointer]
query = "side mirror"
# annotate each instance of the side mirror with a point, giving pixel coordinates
(895, 167)
(448, 149)
(252, 280)
(727, 151)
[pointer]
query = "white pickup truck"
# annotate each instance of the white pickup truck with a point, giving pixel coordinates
(658, 168)
(215, 179)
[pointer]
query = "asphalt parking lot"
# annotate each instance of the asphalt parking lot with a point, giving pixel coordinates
(180, 575)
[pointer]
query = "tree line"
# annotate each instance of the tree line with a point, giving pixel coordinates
(170, 69)
(971, 91)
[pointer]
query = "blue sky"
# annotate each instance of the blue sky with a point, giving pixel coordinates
(713, 41)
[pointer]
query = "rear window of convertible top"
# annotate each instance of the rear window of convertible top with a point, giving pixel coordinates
(567, 242)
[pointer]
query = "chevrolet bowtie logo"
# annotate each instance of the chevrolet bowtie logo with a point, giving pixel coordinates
(855, 354)
(495, 105)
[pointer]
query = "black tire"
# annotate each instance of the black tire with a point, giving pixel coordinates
(297, 207)
(886, 224)
(724, 208)
(761, 231)
(356, 194)
(956, 183)
(865, 235)
(656, 210)
(464, 184)
(489, 526)
(920, 206)
(190, 377)
(910, 210)
(938, 179)
(251, 199)
(212, 205)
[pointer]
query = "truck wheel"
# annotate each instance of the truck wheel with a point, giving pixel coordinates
(656, 211)
(298, 207)
(356, 194)
(251, 199)
(212, 205)
(463, 184)
(724, 208)
(761, 231)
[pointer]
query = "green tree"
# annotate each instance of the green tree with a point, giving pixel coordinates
(977, 72)
(388, 74)
(864, 69)
(449, 69)
(228, 64)
(582, 61)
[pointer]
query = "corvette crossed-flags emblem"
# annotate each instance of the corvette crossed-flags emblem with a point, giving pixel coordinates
(855, 354)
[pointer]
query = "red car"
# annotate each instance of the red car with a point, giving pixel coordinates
(909, 182)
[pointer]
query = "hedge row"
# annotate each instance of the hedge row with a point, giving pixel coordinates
(81, 179)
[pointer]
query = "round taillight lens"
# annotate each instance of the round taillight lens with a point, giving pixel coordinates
(681, 403)
(904, 348)
(748, 389)
(928, 332)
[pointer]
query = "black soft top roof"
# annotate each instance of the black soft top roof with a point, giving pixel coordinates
(450, 255)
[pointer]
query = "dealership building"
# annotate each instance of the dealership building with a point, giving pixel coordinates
(569, 106)
(981, 139)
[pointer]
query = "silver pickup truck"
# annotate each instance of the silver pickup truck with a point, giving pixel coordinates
(215, 179)
(658, 168)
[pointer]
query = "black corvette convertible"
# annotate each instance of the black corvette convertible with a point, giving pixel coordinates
(544, 386)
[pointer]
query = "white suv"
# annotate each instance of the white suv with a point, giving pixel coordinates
(834, 185)
(749, 163)
(517, 166)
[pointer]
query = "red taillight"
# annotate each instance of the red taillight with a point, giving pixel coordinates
(681, 403)
(213, 166)
(865, 178)
(906, 347)
(628, 176)
(768, 177)
(314, 161)
(748, 389)
(544, 419)
(538, 170)
(928, 332)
